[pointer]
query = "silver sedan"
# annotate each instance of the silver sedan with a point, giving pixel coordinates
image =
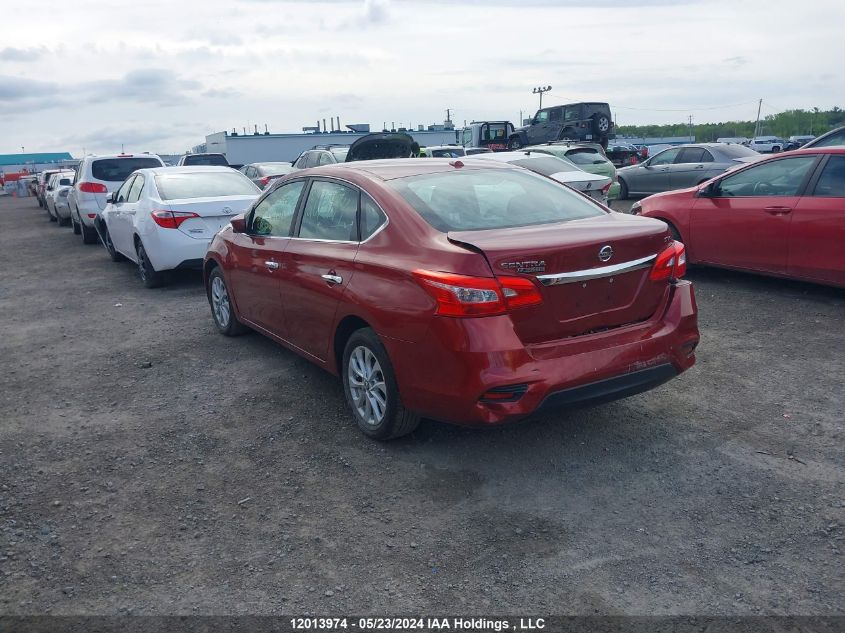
(681, 167)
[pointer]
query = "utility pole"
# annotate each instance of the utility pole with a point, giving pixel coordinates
(757, 124)
(540, 91)
(692, 140)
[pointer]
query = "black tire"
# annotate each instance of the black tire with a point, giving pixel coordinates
(89, 234)
(514, 143)
(218, 295)
(50, 215)
(62, 221)
(74, 225)
(113, 254)
(623, 190)
(150, 277)
(395, 421)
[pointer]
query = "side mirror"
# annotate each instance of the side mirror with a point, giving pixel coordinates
(708, 191)
(238, 223)
(110, 198)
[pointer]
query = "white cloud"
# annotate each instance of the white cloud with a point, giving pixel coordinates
(92, 70)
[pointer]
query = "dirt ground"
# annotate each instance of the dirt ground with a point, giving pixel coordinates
(149, 465)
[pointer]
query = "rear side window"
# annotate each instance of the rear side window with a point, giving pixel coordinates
(330, 212)
(204, 184)
(371, 217)
(325, 159)
(494, 199)
(311, 159)
(831, 183)
(135, 191)
(118, 169)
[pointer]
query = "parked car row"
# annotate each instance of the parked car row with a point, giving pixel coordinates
(444, 288)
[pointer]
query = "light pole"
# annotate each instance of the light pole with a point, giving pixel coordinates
(540, 91)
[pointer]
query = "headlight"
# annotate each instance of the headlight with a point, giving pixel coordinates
(636, 208)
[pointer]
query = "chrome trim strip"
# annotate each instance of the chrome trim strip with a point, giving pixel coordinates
(595, 273)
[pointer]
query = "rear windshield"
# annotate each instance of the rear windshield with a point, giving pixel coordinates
(491, 199)
(206, 159)
(118, 169)
(339, 153)
(737, 151)
(274, 169)
(204, 185)
(454, 152)
(832, 140)
(546, 165)
(586, 156)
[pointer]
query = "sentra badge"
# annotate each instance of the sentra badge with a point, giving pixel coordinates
(527, 266)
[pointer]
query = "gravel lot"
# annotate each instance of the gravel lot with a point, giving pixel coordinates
(150, 465)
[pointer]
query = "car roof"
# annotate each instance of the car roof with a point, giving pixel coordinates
(391, 168)
(187, 169)
(94, 157)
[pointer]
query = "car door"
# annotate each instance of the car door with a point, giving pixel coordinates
(256, 258)
(817, 232)
(745, 222)
(118, 222)
(319, 263)
(555, 125)
(653, 175)
(689, 167)
(537, 131)
(129, 217)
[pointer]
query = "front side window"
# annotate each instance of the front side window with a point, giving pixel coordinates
(783, 177)
(273, 215)
(311, 159)
(330, 212)
(666, 157)
(494, 199)
(831, 183)
(542, 116)
(301, 161)
(123, 192)
(690, 155)
(135, 190)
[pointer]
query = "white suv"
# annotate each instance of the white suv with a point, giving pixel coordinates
(96, 177)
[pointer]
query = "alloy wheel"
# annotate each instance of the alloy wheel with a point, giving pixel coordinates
(367, 386)
(220, 302)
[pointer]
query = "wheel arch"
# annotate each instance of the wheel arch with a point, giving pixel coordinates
(347, 326)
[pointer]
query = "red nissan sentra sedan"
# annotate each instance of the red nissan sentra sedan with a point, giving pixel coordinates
(471, 292)
(782, 216)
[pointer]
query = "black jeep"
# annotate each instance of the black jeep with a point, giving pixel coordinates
(576, 121)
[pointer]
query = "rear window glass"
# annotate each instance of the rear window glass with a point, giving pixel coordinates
(339, 153)
(736, 151)
(448, 153)
(207, 159)
(204, 185)
(274, 169)
(546, 165)
(494, 199)
(118, 169)
(586, 156)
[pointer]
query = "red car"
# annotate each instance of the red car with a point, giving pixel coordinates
(471, 292)
(783, 216)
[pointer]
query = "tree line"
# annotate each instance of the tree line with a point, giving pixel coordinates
(783, 124)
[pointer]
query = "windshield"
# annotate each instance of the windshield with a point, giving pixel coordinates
(546, 165)
(494, 199)
(210, 184)
(118, 169)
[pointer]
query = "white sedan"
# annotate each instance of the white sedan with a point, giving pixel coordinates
(163, 218)
(593, 185)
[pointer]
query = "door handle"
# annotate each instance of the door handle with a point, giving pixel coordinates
(271, 265)
(699, 166)
(777, 210)
(332, 279)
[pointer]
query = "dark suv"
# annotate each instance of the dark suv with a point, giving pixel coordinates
(575, 121)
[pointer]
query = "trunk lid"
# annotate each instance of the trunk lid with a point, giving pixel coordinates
(596, 297)
(214, 213)
(381, 145)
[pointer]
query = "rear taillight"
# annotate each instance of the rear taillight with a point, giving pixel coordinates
(92, 187)
(606, 188)
(264, 181)
(671, 263)
(465, 296)
(172, 219)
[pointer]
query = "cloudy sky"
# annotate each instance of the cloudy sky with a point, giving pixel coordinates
(159, 75)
